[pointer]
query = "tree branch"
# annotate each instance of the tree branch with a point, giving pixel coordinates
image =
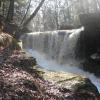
(33, 14)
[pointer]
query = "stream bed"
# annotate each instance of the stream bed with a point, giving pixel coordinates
(53, 65)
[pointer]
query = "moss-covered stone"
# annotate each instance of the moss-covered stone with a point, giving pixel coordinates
(69, 81)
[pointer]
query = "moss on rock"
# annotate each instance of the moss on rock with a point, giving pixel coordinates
(72, 82)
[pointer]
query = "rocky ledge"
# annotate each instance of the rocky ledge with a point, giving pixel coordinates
(21, 78)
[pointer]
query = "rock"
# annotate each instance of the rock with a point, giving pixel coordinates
(90, 19)
(28, 62)
(88, 44)
(25, 60)
(10, 28)
(89, 40)
(92, 65)
(36, 83)
(70, 82)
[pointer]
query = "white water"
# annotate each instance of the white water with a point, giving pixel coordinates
(55, 51)
(57, 45)
(52, 65)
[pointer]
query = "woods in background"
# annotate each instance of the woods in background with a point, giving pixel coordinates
(63, 14)
(52, 15)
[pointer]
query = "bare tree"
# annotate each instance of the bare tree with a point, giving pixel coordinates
(98, 3)
(26, 12)
(56, 13)
(10, 11)
(34, 13)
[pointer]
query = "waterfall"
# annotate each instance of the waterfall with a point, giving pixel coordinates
(55, 50)
(58, 45)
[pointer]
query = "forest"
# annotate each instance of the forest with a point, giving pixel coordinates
(49, 49)
(54, 14)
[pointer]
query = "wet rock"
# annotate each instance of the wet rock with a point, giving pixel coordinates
(89, 40)
(28, 62)
(90, 19)
(71, 83)
(29, 84)
(88, 44)
(25, 61)
(92, 65)
(18, 83)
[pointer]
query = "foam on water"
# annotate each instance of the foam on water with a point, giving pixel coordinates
(55, 50)
(53, 65)
(59, 45)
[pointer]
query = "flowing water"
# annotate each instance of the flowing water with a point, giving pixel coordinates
(56, 51)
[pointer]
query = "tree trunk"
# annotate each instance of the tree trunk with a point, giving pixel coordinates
(26, 12)
(0, 3)
(10, 11)
(68, 13)
(57, 14)
(98, 3)
(33, 14)
(3, 9)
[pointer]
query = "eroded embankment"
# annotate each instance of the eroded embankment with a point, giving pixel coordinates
(21, 79)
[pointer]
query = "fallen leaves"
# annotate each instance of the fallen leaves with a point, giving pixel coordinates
(24, 83)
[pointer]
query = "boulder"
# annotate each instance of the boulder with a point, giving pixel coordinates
(24, 60)
(70, 82)
(29, 81)
(90, 19)
(89, 40)
(92, 65)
